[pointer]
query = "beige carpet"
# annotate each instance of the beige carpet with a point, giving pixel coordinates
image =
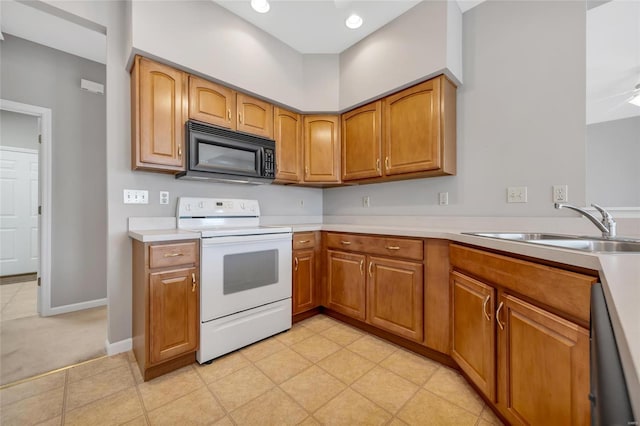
(34, 345)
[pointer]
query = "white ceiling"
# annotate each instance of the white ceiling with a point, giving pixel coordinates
(613, 60)
(40, 27)
(317, 26)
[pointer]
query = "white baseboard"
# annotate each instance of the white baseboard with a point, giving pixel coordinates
(75, 307)
(118, 347)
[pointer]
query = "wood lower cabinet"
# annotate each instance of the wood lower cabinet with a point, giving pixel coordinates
(306, 294)
(321, 140)
(165, 305)
(394, 296)
(346, 284)
(543, 366)
(473, 331)
(158, 113)
(531, 361)
(287, 132)
(386, 292)
(173, 313)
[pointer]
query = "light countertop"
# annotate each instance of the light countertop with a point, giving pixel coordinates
(620, 275)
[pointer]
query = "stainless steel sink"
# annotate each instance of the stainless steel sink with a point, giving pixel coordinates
(590, 244)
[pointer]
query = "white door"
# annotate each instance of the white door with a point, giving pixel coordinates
(19, 249)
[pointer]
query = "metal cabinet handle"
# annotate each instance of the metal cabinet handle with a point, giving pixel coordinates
(361, 267)
(370, 267)
(346, 243)
(240, 118)
(173, 254)
(484, 307)
(193, 282)
(179, 150)
(392, 247)
(386, 163)
(377, 164)
(306, 171)
(498, 316)
(229, 114)
(295, 263)
(304, 241)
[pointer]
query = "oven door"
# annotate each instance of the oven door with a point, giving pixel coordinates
(243, 272)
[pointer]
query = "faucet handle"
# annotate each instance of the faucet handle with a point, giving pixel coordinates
(605, 214)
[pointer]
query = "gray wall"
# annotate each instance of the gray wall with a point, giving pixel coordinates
(613, 163)
(521, 115)
(18, 130)
(38, 75)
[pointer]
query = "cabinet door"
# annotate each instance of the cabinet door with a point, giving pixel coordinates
(254, 116)
(211, 103)
(159, 94)
(304, 291)
(412, 129)
(288, 136)
(362, 142)
(544, 366)
(346, 283)
(173, 313)
(395, 297)
(473, 334)
(321, 149)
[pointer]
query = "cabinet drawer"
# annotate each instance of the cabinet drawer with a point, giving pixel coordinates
(386, 246)
(566, 291)
(303, 240)
(163, 255)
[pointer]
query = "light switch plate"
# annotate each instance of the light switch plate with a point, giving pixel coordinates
(517, 194)
(136, 196)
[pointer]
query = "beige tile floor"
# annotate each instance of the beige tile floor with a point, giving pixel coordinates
(319, 372)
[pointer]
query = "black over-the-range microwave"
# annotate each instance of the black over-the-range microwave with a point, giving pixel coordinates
(218, 154)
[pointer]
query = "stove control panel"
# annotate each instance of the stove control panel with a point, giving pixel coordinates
(192, 207)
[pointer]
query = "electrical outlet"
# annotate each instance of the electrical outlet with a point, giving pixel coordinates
(443, 198)
(560, 193)
(517, 194)
(366, 201)
(164, 197)
(136, 196)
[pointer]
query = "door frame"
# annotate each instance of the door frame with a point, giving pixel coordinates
(44, 183)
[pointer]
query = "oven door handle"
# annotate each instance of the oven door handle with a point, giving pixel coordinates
(233, 239)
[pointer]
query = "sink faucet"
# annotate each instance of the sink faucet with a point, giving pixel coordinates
(607, 225)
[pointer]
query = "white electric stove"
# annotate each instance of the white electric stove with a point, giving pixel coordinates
(245, 273)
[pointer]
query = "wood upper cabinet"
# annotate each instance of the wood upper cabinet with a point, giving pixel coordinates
(321, 148)
(362, 142)
(394, 296)
(544, 366)
(419, 129)
(221, 106)
(254, 116)
(287, 132)
(212, 103)
(173, 314)
(346, 284)
(472, 331)
(158, 111)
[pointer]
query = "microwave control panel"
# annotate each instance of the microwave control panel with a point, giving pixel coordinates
(269, 163)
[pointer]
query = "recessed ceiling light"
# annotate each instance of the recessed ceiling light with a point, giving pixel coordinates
(260, 6)
(353, 21)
